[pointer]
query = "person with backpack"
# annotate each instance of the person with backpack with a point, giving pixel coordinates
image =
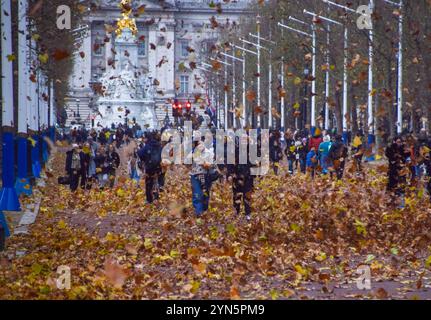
(151, 157)
(338, 155)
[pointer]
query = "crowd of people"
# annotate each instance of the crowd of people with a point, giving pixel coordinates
(94, 161)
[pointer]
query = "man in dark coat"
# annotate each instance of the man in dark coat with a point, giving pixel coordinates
(242, 179)
(151, 157)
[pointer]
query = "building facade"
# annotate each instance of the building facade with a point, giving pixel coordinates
(173, 38)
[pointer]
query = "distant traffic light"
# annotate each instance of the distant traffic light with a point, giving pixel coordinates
(188, 106)
(177, 109)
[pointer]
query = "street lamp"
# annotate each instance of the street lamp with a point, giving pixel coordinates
(244, 51)
(269, 78)
(400, 5)
(258, 68)
(234, 58)
(313, 82)
(327, 69)
(306, 71)
(370, 59)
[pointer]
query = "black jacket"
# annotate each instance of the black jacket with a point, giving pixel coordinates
(241, 173)
(151, 156)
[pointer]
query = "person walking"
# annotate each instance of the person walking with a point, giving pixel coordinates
(397, 154)
(275, 151)
(102, 167)
(242, 179)
(311, 162)
(151, 157)
(338, 155)
(202, 161)
(73, 166)
(324, 147)
(113, 160)
(358, 150)
(85, 155)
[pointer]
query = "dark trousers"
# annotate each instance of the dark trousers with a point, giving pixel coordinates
(358, 163)
(245, 198)
(339, 169)
(275, 167)
(161, 179)
(74, 180)
(151, 187)
(83, 175)
(200, 194)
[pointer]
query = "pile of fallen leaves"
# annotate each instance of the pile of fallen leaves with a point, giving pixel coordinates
(302, 232)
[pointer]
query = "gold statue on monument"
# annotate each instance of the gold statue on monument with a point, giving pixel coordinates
(126, 21)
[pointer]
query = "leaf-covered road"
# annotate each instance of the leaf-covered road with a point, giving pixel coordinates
(305, 241)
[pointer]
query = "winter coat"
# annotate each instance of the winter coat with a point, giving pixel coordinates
(241, 173)
(314, 142)
(147, 155)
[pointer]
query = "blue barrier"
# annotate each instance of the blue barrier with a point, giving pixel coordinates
(8, 196)
(35, 157)
(44, 145)
(22, 184)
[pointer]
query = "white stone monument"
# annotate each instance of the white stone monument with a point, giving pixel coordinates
(124, 89)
